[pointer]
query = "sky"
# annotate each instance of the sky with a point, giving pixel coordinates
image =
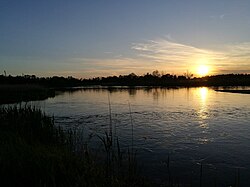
(93, 38)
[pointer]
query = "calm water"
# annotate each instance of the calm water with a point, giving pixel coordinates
(192, 126)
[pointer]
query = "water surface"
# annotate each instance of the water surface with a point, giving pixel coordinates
(189, 125)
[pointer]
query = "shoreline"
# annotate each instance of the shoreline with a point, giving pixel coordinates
(15, 93)
(235, 91)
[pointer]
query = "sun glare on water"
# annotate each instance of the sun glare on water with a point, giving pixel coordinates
(202, 70)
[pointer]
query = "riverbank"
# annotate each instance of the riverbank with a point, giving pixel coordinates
(14, 93)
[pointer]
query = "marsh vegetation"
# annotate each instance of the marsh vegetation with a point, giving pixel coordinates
(35, 152)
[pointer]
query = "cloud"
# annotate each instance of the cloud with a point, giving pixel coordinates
(218, 17)
(240, 50)
(92, 67)
(230, 58)
(176, 55)
(171, 57)
(108, 52)
(222, 16)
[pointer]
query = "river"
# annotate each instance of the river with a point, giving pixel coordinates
(188, 126)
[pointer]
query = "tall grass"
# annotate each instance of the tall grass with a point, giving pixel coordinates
(35, 152)
(132, 127)
(132, 161)
(118, 163)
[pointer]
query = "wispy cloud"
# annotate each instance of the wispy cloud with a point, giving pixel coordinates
(169, 56)
(218, 17)
(108, 52)
(92, 67)
(176, 56)
(239, 51)
(222, 16)
(233, 57)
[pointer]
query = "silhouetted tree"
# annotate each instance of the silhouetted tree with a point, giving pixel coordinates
(156, 73)
(188, 75)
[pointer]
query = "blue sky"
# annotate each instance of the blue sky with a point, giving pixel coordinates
(111, 37)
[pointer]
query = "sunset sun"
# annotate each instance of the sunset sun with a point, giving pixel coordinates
(202, 70)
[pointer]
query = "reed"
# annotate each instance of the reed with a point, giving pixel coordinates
(132, 127)
(237, 178)
(201, 174)
(119, 163)
(35, 152)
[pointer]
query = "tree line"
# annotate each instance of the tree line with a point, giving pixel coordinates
(148, 79)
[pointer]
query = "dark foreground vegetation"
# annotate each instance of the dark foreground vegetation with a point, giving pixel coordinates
(35, 152)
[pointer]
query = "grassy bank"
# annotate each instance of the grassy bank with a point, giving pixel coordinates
(23, 92)
(34, 152)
